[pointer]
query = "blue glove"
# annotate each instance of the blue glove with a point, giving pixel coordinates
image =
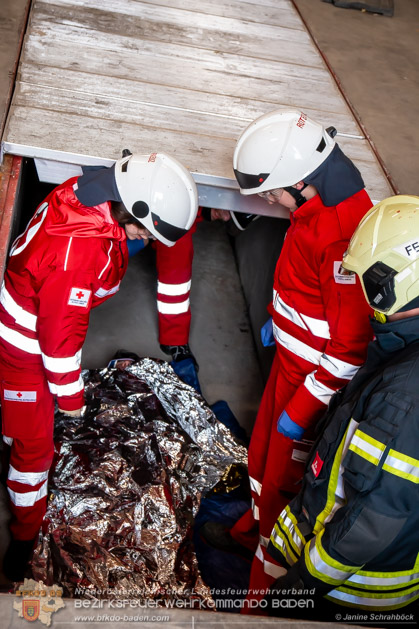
(134, 246)
(267, 334)
(186, 370)
(288, 427)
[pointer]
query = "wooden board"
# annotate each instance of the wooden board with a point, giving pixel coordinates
(97, 76)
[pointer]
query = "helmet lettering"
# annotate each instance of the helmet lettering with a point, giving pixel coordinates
(301, 120)
(152, 157)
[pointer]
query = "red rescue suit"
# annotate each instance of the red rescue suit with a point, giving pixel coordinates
(70, 259)
(321, 328)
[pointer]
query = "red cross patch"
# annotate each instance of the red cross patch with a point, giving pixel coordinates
(79, 297)
(19, 396)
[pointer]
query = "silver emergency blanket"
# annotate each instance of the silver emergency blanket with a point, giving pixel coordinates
(127, 484)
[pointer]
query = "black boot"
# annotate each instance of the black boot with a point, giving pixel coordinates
(16, 559)
(218, 536)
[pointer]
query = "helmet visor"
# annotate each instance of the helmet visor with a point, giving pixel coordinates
(247, 181)
(379, 286)
(167, 230)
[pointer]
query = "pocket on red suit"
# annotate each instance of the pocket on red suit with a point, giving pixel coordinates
(27, 410)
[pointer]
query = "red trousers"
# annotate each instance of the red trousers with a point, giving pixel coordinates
(27, 409)
(174, 272)
(276, 467)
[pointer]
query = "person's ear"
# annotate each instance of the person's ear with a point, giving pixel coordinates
(300, 185)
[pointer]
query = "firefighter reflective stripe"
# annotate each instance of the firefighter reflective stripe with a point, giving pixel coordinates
(383, 580)
(178, 308)
(295, 346)
(28, 498)
(173, 290)
(28, 478)
(317, 389)
(335, 489)
(62, 365)
(19, 340)
(255, 510)
(322, 566)
(286, 536)
(373, 600)
(66, 389)
(20, 315)
(255, 485)
(281, 543)
(318, 327)
(338, 368)
(102, 292)
(367, 447)
(402, 465)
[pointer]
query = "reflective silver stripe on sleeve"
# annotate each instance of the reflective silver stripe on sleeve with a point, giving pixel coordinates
(62, 365)
(255, 510)
(338, 368)
(296, 347)
(21, 316)
(373, 602)
(28, 478)
(317, 389)
(255, 485)
(29, 498)
(173, 289)
(101, 292)
(318, 327)
(66, 389)
(8, 440)
(173, 309)
(19, 340)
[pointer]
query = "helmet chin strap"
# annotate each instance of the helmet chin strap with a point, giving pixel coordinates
(296, 194)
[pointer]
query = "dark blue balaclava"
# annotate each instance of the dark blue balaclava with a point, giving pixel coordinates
(336, 179)
(97, 185)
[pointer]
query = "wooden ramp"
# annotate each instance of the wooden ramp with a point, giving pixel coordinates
(97, 76)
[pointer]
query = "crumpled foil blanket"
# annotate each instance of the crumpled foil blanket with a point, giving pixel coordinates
(127, 484)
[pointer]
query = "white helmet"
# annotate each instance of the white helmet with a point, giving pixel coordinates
(159, 192)
(279, 149)
(384, 253)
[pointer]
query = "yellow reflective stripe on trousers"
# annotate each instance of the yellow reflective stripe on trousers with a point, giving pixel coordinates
(335, 491)
(402, 465)
(322, 566)
(381, 600)
(367, 447)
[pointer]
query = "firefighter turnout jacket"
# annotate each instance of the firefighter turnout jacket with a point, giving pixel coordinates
(352, 531)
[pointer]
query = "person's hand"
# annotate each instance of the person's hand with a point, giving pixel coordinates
(222, 215)
(288, 427)
(76, 413)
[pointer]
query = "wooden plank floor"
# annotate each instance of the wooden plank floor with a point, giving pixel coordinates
(97, 76)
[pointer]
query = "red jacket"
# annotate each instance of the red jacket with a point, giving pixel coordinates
(70, 259)
(320, 316)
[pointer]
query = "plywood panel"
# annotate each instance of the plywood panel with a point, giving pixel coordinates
(97, 76)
